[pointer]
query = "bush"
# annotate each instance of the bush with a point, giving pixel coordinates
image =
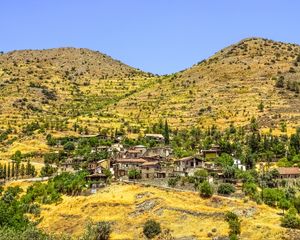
(234, 224)
(290, 219)
(103, 230)
(280, 82)
(250, 189)
(98, 231)
(206, 190)
(69, 146)
(134, 174)
(151, 229)
(172, 182)
(226, 188)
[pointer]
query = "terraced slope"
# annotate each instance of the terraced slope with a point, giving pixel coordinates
(60, 86)
(62, 83)
(228, 87)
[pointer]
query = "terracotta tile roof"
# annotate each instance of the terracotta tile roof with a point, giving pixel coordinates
(185, 159)
(288, 170)
(131, 160)
(150, 163)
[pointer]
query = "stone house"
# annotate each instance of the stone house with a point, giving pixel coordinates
(123, 165)
(187, 165)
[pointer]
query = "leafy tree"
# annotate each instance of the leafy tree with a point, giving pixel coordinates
(250, 188)
(284, 204)
(134, 174)
(224, 160)
(69, 146)
(206, 190)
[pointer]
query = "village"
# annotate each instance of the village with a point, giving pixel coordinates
(158, 166)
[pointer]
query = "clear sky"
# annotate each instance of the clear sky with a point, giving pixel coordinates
(159, 36)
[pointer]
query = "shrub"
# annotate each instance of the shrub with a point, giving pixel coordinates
(206, 190)
(234, 224)
(98, 231)
(250, 189)
(134, 174)
(172, 182)
(69, 146)
(280, 82)
(151, 229)
(226, 188)
(290, 219)
(103, 230)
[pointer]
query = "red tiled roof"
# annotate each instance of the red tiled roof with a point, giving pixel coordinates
(289, 170)
(150, 163)
(131, 160)
(185, 159)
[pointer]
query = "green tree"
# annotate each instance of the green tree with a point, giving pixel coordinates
(134, 174)
(206, 190)
(284, 204)
(69, 146)
(166, 133)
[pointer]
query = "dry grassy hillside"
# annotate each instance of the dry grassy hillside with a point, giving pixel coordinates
(63, 84)
(58, 87)
(228, 87)
(184, 214)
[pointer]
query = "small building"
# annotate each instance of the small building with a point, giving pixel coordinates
(238, 164)
(163, 152)
(159, 138)
(141, 148)
(96, 177)
(186, 166)
(149, 169)
(133, 153)
(210, 154)
(123, 165)
(288, 172)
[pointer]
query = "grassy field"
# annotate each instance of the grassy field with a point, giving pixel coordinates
(185, 214)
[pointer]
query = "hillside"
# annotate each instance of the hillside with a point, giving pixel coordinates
(228, 87)
(184, 214)
(70, 90)
(59, 84)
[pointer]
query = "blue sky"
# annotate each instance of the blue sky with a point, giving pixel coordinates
(159, 36)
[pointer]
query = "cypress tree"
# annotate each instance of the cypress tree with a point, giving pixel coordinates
(167, 135)
(13, 170)
(5, 171)
(27, 169)
(22, 170)
(8, 171)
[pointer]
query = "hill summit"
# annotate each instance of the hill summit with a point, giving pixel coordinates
(254, 78)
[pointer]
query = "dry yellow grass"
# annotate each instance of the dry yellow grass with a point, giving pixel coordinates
(184, 213)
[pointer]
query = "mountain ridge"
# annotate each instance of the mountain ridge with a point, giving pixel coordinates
(76, 84)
